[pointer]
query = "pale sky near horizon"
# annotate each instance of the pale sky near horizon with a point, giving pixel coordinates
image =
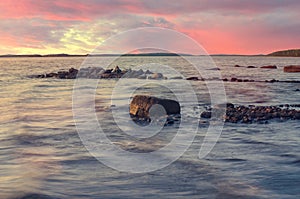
(77, 26)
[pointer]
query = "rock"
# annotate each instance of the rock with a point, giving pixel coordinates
(251, 66)
(192, 78)
(214, 69)
(51, 75)
(141, 104)
(269, 67)
(62, 74)
(225, 80)
(142, 76)
(237, 66)
(206, 114)
(148, 72)
(72, 73)
(156, 76)
(177, 77)
(233, 79)
(116, 70)
(108, 71)
(292, 69)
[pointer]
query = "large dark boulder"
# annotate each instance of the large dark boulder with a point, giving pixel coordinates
(141, 105)
(291, 69)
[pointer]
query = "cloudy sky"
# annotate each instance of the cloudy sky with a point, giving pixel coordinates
(78, 26)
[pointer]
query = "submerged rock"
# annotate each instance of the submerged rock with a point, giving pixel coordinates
(251, 67)
(292, 69)
(269, 67)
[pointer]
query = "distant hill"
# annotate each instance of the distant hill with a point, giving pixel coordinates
(98, 55)
(37, 55)
(286, 53)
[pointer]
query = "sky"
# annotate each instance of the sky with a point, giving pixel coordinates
(78, 26)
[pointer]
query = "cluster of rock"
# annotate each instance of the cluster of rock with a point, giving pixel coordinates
(287, 69)
(265, 67)
(234, 79)
(140, 108)
(252, 114)
(100, 73)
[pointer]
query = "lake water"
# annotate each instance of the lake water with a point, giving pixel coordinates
(41, 151)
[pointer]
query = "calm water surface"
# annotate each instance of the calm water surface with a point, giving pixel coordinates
(41, 152)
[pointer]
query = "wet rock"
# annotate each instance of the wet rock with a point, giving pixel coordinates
(148, 72)
(192, 78)
(269, 67)
(51, 75)
(292, 69)
(258, 114)
(156, 76)
(141, 105)
(206, 114)
(108, 71)
(142, 76)
(99, 72)
(233, 79)
(214, 69)
(116, 70)
(177, 77)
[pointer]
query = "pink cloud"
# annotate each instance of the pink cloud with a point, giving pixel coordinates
(221, 26)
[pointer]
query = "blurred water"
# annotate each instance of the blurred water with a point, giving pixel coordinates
(41, 153)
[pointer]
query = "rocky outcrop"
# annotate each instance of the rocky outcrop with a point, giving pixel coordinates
(141, 105)
(292, 69)
(100, 73)
(252, 114)
(286, 53)
(269, 67)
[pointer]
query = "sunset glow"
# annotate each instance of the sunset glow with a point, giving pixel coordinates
(77, 27)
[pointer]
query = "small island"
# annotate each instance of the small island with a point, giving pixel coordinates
(286, 53)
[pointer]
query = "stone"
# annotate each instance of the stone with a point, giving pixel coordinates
(237, 66)
(269, 67)
(142, 76)
(116, 70)
(141, 105)
(251, 66)
(148, 72)
(177, 77)
(192, 78)
(214, 69)
(206, 114)
(156, 76)
(233, 79)
(292, 69)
